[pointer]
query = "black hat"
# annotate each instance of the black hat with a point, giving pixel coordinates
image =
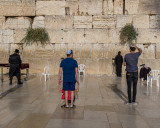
(16, 51)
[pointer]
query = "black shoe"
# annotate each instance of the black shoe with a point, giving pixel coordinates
(20, 82)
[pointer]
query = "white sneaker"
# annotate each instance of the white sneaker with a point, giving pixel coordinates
(135, 103)
(127, 103)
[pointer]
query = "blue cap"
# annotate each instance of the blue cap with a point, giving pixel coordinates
(131, 46)
(69, 52)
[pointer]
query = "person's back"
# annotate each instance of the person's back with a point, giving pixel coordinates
(131, 60)
(14, 59)
(69, 65)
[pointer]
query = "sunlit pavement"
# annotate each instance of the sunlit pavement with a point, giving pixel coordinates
(100, 104)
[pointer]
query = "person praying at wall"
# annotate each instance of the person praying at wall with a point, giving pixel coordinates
(118, 63)
(131, 62)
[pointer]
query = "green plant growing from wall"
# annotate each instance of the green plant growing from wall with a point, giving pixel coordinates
(37, 35)
(128, 34)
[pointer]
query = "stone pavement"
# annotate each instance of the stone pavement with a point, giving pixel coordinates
(100, 104)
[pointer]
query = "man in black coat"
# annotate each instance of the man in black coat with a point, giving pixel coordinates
(119, 62)
(15, 65)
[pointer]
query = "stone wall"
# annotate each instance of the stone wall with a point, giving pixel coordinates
(91, 28)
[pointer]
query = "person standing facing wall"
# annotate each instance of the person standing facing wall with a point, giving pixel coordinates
(131, 62)
(69, 66)
(119, 62)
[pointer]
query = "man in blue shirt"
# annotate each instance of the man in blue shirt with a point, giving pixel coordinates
(131, 62)
(69, 66)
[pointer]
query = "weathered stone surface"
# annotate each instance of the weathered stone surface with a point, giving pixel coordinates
(56, 36)
(18, 23)
(110, 7)
(157, 51)
(148, 36)
(104, 21)
(19, 34)
(122, 20)
(76, 50)
(152, 63)
(96, 51)
(141, 21)
(17, 8)
(7, 36)
(29, 51)
(38, 22)
(154, 21)
(131, 6)
(105, 8)
(82, 21)
(96, 36)
(59, 50)
(86, 51)
(118, 7)
(113, 36)
(149, 51)
(50, 8)
(58, 22)
(109, 51)
(149, 7)
(73, 36)
(73, 7)
(2, 21)
(105, 67)
(4, 52)
(90, 7)
(0, 36)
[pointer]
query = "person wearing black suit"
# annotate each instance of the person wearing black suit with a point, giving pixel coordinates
(15, 65)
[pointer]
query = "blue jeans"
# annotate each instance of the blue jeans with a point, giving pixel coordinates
(132, 77)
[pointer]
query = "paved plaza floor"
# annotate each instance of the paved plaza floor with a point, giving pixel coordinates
(100, 104)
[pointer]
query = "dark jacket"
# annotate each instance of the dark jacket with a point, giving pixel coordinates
(15, 59)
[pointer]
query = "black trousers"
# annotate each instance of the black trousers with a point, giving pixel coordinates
(132, 77)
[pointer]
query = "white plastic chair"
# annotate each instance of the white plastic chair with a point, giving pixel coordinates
(81, 68)
(46, 73)
(153, 75)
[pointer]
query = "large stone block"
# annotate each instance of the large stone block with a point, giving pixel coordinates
(149, 7)
(157, 51)
(72, 7)
(109, 51)
(118, 7)
(148, 36)
(105, 8)
(38, 22)
(96, 51)
(18, 23)
(17, 8)
(110, 7)
(90, 7)
(73, 36)
(29, 51)
(141, 21)
(152, 63)
(7, 36)
(2, 21)
(59, 51)
(96, 36)
(149, 51)
(19, 34)
(82, 21)
(113, 36)
(122, 20)
(86, 51)
(56, 36)
(50, 8)
(58, 22)
(154, 21)
(46, 51)
(131, 6)
(104, 21)
(0, 36)
(105, 67)
(4, 52)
